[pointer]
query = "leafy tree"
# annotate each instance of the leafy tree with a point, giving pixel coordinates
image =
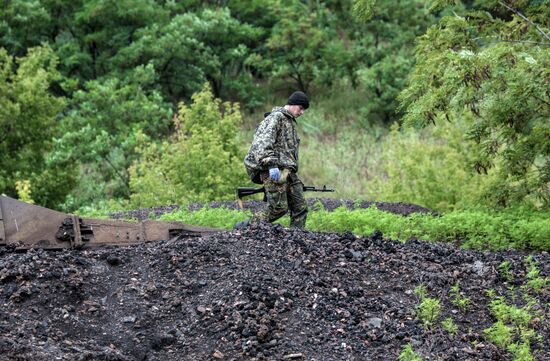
(297, 45)
(27, 125)
(191, 49)
(23, 24)
(388, 42)
(201, 162)
(84, 34)
(491, 61)
(100, 132)
(103, 27)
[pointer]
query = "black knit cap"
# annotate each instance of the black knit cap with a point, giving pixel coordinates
(298, 98)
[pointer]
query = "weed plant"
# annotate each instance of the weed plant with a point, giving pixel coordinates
(513, 329)
(407, 354)
(477, 229)
(505, 271)
(458, 299)
(429, 309)
(208, 217)
(534, 280)
(521, 351)
(450, 326)
(499, 334)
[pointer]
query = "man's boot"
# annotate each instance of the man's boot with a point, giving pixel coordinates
(241, 225)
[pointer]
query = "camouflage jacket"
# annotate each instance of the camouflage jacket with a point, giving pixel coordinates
(275, 144)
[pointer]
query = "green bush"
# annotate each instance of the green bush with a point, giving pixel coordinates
(430, 168)
(450, 326)
(29, 114)
(428, 311)
(202, 162)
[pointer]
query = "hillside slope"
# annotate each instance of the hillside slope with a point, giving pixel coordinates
(265, 292)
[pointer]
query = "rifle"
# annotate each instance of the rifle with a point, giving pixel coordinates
(248, 191)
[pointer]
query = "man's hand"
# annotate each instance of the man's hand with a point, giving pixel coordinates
(274, 174)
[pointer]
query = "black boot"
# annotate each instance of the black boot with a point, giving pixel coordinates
(241, 225)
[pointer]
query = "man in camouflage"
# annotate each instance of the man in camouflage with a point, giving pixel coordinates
(272, 160)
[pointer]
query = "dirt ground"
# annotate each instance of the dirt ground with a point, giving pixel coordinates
(260, 293)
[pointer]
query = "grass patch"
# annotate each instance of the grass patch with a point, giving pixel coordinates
(478, 229)
(208, 217)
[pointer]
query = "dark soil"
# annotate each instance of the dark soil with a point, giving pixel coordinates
(328, 204)
(261, 293)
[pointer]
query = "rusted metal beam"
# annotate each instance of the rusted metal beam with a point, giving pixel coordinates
(29, 226)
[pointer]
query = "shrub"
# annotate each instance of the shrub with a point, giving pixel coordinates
(201, 162)
(429, 168)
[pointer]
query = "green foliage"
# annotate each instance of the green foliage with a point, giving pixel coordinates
(364, 9)
(490, 293)
(23, 188)
(489, 66)
(208, 217)
(504, 269)
(298, 45)
(450, 326)
(521, 351)
(28, 123)
(193, 48)
(429, 309)
(102, 129)
(512, 322)
(23, 24)
(430, 168)
(420, 291)
(202, 162)
(534, 279)
(407, 354)
(458, 299)
(499, 334)
(481, 229)
(504, 312)
(387, 58)
(451, 227)
(97, 30)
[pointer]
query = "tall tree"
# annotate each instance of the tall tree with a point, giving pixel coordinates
(191, 49)
(28, 123)
(100, 132)
(297, 45)
(387, 39)
(489, 62)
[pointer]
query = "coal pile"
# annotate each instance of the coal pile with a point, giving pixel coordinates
(328, 204)
(261, 293)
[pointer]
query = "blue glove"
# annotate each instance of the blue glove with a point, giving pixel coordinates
(274, 174)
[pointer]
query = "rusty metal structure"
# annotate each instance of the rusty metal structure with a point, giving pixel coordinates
(26, 226)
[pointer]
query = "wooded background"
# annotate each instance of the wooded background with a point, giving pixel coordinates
(133, 103)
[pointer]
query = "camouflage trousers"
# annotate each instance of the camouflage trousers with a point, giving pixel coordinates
(285, 195)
